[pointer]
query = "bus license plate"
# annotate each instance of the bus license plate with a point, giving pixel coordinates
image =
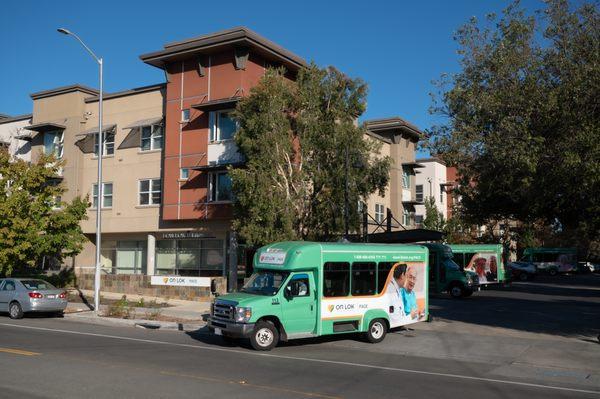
(218, 331)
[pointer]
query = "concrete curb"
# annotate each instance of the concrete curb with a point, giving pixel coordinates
(89, 317)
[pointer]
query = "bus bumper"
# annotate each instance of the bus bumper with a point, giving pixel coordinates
(230, 329)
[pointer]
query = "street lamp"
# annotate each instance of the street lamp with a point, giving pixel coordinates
(99, 183)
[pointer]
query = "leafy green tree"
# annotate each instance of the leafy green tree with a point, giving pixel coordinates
(522, 120)
(32, 222)
(434, 219)
(295, 136)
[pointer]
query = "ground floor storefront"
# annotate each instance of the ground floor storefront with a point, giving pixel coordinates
(186, 264)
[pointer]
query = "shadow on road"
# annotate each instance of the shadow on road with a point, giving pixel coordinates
(543, 306)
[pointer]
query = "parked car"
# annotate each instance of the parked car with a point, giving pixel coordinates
(22, 295)
(522, 271)
(588, 267)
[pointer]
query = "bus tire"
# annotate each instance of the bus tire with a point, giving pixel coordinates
(553, 271)
(376, 331)
(456, 290)
(264, 336)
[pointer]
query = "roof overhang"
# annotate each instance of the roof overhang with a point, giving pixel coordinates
(216, 166)
(223, 40)
(145, 122)
(413, 165)
(394, 123)
(45, 127)
(215, 104)
(94, 130)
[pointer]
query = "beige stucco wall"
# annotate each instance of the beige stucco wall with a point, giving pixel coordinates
(65, 109)
(125, 168)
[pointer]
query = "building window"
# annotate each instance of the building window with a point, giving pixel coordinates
(418, 220)
(152, 137)
(405, 178)
(405, 217)
(379, 213)
(124, 257)
(57, 202)
(150, 192)
(185, 115)
(109, 144)
(54, 143)
(223, 126)
(190, 257)
(184, 173)
(419, 193)
(219, 187)
(107, 195)
(441, 194)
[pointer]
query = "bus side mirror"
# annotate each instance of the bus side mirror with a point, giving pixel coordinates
(287, 292)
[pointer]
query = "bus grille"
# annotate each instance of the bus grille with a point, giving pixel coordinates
(223, 311)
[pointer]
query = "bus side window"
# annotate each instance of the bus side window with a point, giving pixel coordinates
(383, 271)
(336, 279)
(363, 278)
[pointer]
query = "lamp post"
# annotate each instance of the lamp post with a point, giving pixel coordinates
(99, 182)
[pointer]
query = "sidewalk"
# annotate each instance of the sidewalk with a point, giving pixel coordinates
(190, 314)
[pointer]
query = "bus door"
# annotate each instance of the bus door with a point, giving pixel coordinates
(299, 305)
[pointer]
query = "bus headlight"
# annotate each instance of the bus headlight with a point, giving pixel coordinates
(243, 314)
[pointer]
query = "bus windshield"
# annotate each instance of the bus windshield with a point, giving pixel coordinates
(265, 282)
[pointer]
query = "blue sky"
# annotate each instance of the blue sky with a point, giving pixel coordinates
(397, 47)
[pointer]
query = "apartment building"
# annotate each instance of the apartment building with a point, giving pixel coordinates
(65, 123)
(167, 202)
(399, 139)
(432, 182)
(206, 77)
(14, 136)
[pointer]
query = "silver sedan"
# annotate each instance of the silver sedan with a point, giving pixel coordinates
(22, 295)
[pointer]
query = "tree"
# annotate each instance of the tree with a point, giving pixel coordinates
(522, 118)
(434, 219)
(33, 221)
(295, 136)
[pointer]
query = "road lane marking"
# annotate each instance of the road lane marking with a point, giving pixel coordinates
(313, 360)
(19, 352)
(251, 385)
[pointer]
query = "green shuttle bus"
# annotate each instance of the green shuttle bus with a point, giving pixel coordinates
(309, 289)
(485, 260)
(447, 276)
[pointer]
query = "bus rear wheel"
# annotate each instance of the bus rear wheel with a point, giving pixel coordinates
(264, 336)
(376, 331)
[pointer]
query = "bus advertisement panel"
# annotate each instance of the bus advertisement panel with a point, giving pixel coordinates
(483, 259)
(401, 293)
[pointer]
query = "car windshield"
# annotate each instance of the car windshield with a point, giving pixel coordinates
(37, 285)
(265, 282)
(450, 264)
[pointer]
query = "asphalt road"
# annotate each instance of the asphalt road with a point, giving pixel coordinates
(58, 358)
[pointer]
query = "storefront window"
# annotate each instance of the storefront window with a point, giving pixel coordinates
(190, 257)
(124, 257)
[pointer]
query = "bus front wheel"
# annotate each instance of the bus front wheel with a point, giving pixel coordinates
(456, 291)
(264, 336)
(376, 331)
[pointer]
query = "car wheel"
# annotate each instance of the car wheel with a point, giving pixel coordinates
(523, 277)
(15, 311)
(60, 314)
(456, 291)
(376, 331)
(553, 272)
(264, 336)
